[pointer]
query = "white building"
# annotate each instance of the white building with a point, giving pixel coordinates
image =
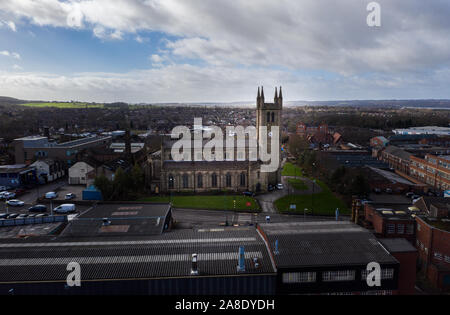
(79, 174)
(429, 130)
(48, 170)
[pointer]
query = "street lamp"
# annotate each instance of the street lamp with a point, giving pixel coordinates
(304, 213)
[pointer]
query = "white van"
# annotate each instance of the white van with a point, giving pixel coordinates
(65, 208)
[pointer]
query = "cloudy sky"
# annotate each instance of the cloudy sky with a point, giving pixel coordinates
(221, 50)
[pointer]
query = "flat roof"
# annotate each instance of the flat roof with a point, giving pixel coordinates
(397, 245)
(125, 220)
(325, 243)
(166, 255)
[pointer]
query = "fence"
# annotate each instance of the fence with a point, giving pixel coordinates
(39, 220)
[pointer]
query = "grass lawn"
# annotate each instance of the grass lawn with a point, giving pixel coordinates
(208, 202)
(63, 105)
(325, 203)
(297, 184)
(290, 169)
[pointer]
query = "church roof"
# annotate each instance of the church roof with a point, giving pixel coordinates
(207, 166)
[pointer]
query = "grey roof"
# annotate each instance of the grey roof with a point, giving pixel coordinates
(126, 219)
(397, 245)
(393, 150)
(207, 166)
(326, 243)
(167, 255)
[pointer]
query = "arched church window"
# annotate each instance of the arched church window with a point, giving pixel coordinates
(214, 180)
(273, 117)
(228, 180)
(199, 181)
(242, 179)
(185, 181)
(268, 116)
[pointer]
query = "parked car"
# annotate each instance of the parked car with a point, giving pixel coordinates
(377, 190)
(271, 188)
(20, 191)
(22, 216)
(40, 215)
(70, 196)
(249, 193)
(388, 190)
(409, 194)
(51, 195)
(32, 215)
(7, 195)
(280, 186)
(13, 215)
(3, 215)
(65, 208)
(38, 208)
(15, 203)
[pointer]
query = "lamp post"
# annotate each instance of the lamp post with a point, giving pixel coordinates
(312, 196)
(304, 214)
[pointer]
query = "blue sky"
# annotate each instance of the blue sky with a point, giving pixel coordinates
(220, 51)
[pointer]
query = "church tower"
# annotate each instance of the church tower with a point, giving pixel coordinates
(270, 114)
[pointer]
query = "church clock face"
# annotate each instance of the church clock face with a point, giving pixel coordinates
(270, 134)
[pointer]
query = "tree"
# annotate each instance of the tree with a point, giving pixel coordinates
(122, 184)
(138, 178)
(105, 186)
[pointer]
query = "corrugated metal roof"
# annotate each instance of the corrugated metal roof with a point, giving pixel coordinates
(324, 244)
(159, 256)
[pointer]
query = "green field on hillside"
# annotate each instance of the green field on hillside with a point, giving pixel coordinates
(63, 105)
(208, 202)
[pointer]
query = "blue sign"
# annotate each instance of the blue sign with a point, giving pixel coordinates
(447, 193)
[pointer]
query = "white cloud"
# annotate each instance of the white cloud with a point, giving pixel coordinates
(17, 67)
(248, 39)
(10, 54)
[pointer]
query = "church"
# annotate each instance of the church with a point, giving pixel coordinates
(234, 174)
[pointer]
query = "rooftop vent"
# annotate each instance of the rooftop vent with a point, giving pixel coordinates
(241, 265)
(194, 268)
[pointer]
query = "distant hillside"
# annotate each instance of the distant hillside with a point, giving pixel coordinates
(4, 100)
(377, 103)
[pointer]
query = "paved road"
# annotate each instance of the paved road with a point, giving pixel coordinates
(266, 201)
(187, 218)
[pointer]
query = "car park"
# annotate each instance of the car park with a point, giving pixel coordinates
(70, 196)
(51, 195)
(38, 208)
(13, 215)
(65, 208)
(15, 203)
